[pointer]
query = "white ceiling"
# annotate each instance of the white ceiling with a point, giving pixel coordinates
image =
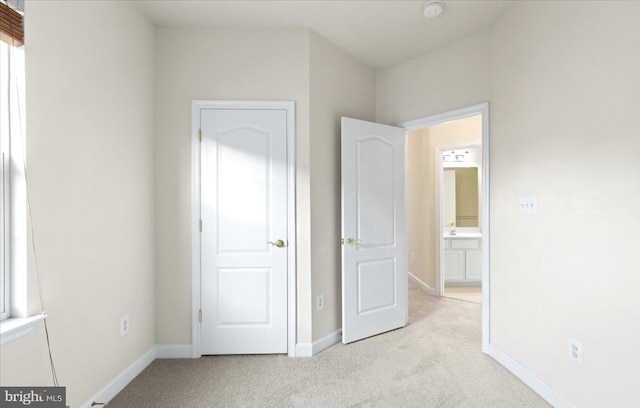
(380, 34)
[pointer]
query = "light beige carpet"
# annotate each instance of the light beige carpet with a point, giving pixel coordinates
(471, 294)
(433, 362)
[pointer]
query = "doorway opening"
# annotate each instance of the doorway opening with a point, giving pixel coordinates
(447, 179)
(459, 196)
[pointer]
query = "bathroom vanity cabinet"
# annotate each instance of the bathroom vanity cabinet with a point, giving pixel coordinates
(463, 260)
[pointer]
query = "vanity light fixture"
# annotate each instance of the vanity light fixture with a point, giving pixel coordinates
(432, 8)
(455, 156)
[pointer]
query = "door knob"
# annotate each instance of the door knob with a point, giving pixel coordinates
(352, 241)
(279, 243)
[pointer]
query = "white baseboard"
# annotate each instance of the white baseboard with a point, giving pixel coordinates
(122, 379)
(477, 284)
(311, 349)
(549, 394)
(427, 288)
(327, 341)
(174, 351)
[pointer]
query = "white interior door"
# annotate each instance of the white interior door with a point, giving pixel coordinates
(243, 209)
(374, 251)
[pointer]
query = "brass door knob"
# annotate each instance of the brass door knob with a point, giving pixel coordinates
(279, 243)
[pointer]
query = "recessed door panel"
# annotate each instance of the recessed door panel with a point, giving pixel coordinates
(375, 192)
(376, 285)
(243, 189)
(244, 296)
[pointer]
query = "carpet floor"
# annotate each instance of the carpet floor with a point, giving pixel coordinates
(471, 294)
(435, 361)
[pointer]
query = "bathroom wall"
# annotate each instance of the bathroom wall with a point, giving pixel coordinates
(416, 193)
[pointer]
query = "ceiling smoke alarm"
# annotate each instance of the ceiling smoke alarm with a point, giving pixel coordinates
(432, 8)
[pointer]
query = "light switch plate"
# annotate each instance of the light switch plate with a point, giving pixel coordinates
(528, 205)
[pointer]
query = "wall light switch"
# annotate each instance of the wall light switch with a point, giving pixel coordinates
(528, 205)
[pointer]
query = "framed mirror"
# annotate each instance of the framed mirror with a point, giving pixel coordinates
(461, 197)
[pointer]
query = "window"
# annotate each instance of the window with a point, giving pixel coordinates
(11, 131)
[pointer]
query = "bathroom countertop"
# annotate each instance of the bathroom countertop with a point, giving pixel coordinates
(463, 235)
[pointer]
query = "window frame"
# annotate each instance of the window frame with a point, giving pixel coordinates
(5, 180)
(13, 209)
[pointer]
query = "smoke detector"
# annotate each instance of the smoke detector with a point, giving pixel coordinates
(432, 8)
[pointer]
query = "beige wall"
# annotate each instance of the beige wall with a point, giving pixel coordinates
(255, 65)
(219, 64)
(339, 86)
(422, 146)
(90, 157)
(564, 93)
(568, 77)
(448, 78)
(417, 193)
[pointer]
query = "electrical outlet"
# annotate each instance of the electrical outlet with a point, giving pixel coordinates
(319, 302)
(124, 325)
(575, 351)
(413, 256)
(528, 205)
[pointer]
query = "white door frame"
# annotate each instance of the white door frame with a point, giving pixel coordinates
(480, 109)
(289, 107)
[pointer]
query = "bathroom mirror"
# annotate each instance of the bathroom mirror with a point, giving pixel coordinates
(461, 197)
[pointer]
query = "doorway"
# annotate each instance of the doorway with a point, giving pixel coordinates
(460, 200)
(243, 230)
(453, 257)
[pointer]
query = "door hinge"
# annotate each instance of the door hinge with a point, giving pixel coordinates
(200, 225)
(200, 135)
(200, 315)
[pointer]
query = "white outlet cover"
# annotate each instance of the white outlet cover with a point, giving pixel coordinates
(124, 325)
(319, 302)
(575, 351)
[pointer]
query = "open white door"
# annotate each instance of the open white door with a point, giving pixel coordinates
(374, 250)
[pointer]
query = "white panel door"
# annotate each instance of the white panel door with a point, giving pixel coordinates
(374, 264)
(244, 208)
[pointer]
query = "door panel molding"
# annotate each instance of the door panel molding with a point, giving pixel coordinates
(196, 107)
